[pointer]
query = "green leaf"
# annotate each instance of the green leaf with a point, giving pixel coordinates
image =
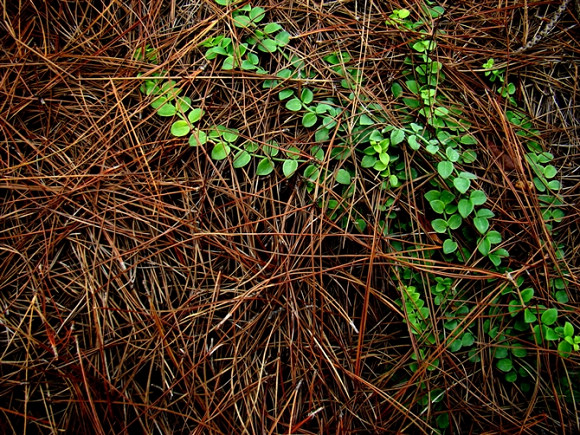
(562, 297)
(462, 184)
(511, 376)
(469, 156)
(368, 161)
(551, 335)
(182, 104)
(282, 38)
(294, 105)
(242, 21)
(465, 207)
(568, 329)
(228, 63)
(436, 11)
(505, 364)
(501, 353)
(365, 120)
(445, 169)
(317, 152)
(454, 221)
(397, 136)
(289, 167)
(484, 246)
(441, 111)
(433, 195)
(311, 172)
(229, 134)
(496, 256)
(452, 154)
(527, 295)
(265, 167)
(195, 115)
(167, 109)
(529, 317)
(292, 153)
(322, 134)
(468, 175)
(420, 46)
(482, 224)
(396, 89)
(413, 143)
(286, 93)
(309, 119)
(257, 14)
(564, 349)
(272, 149)
(241, 159)
(467, 339)
(379, 166)
(477, 197)
(170, 89)
(467, 140)
(328, 122)
(413, 86)
(411, 103)
(549, 316)
(432, 149)
(268, 45)
(384, 158)
(198, 137)
(437, 205)
(272, 27)
(443, 421)
(484, 213)
(251, 147)
(180, 128)
(306, 96)
(514, 307)
(285, 73)
(519, 351)
(447, 197)
(439, 225)
(322, 108)
(343, 177)
(550, 171)
(494, 237)
(220, 151)
(449, 246)
(149, 87)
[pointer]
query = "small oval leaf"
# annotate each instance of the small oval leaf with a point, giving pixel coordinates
(289, 167)
(505, 365)
(195, 115)
(294, 105)
(180, 128)
(220, 151)
(309, 119)
(265, 167)
(445, 169)
(343, 177)
(241, 159)
(449, 246)
(549, 316)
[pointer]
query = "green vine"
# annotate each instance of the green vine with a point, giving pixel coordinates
(356, 142)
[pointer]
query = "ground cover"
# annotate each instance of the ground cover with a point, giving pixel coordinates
(289, 217)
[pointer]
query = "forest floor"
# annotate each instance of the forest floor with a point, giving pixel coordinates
(289, 217)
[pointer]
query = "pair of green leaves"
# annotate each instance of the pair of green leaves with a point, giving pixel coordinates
(248, 16)
(223, 139)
